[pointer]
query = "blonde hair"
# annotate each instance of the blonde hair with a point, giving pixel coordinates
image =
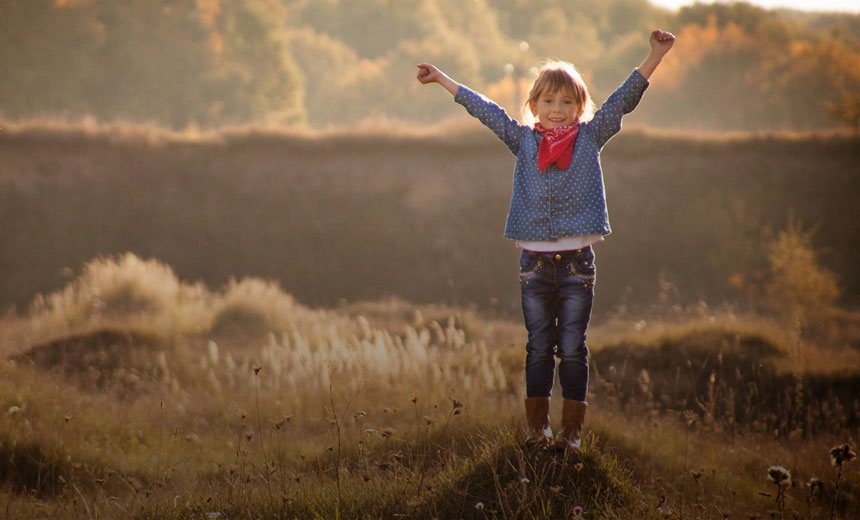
(554, 76)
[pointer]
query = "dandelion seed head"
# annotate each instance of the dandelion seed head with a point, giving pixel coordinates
(779, 475)
(815, 486)
(841, 454)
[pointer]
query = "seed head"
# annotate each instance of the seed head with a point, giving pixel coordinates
(779, 475)
(815, 486)
(841, 454)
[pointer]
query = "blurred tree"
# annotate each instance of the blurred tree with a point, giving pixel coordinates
(170, 62)
(328, 66)
(181, 63)
(152, 62)
(47, 55)
(257, 78)
(848, 112)
(799, 287)
(370, 27)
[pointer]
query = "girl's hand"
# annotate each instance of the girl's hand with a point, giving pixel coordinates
(428, 73)
(662, 41)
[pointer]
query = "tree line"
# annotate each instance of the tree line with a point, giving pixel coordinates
(331, 63)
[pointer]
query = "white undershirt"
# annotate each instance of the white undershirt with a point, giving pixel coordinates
(562, 244)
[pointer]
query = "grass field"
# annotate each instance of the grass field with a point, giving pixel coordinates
(418, 215)
(131, 393)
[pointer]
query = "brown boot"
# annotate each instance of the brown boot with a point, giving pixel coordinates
(572, 417)
(537, 418)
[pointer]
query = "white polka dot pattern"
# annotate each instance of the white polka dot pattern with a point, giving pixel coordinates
(557, 203)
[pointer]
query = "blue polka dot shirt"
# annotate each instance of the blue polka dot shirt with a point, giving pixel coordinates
(557, 203)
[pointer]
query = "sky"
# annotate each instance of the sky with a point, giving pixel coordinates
(850, 6)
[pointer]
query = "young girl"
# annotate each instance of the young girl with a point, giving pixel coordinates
(558, 210)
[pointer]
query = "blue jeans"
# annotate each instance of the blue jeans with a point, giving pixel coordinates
(557, 292)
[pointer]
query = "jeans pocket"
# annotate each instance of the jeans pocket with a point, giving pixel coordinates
(583, 263)
(582, 268)
(529, 266)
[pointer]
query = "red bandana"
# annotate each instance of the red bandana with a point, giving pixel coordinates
(556, 145)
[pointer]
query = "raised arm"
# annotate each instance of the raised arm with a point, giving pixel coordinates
(661, 43)
(429, 74)
(485, 110)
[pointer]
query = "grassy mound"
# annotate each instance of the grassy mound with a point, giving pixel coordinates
(729, 378)
(108, 358)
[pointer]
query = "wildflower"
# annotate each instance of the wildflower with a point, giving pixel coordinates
(815, 486)
(841, 454)
(577, 510)
(779, 475)
(479, 506)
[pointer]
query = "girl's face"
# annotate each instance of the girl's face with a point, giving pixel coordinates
(554, 109)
